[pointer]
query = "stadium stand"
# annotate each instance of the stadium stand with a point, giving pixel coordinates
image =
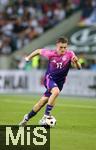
(21, 21)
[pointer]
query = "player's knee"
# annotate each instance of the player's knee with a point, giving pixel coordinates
(56, 91)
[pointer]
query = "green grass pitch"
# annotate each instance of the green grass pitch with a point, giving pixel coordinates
(76, 119)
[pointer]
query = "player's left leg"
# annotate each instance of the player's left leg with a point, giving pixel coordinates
(52, 99)
(55, 89)
(34, 111)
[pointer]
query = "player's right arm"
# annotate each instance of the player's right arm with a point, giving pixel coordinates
(34, 53)
(43, 52)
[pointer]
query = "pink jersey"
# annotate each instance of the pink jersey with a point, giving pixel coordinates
(59, 65)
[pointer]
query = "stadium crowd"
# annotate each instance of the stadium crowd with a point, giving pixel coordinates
(23, 20)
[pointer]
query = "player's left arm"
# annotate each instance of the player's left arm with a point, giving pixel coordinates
(75, 62)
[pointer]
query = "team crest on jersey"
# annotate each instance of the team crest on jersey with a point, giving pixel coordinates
(64, 58)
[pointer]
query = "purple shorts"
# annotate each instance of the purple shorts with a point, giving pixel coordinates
(50, 83)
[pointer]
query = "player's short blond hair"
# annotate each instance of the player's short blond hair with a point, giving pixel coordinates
(62, 40)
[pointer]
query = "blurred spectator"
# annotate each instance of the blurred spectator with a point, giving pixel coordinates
(87, 9)
(59, 13)
(71, 6)
(88, 13)
(91, 20)
(35, 62)
(3, 3)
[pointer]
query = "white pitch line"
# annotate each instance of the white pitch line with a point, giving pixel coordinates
(64, 105)
(76, 106)
(18, 101)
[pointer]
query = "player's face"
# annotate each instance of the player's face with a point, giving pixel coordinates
(61, 47)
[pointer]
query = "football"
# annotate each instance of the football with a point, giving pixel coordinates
(51, 121)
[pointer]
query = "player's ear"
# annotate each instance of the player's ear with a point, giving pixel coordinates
(56, 44)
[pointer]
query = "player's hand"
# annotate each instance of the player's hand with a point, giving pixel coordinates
(76, 63)
(26, 59)
(75, 59)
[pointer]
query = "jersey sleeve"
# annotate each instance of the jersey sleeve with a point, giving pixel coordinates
(46, 53)
(72, 55)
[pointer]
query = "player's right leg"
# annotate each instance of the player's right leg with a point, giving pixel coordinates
(52, 94)
(34, 111)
